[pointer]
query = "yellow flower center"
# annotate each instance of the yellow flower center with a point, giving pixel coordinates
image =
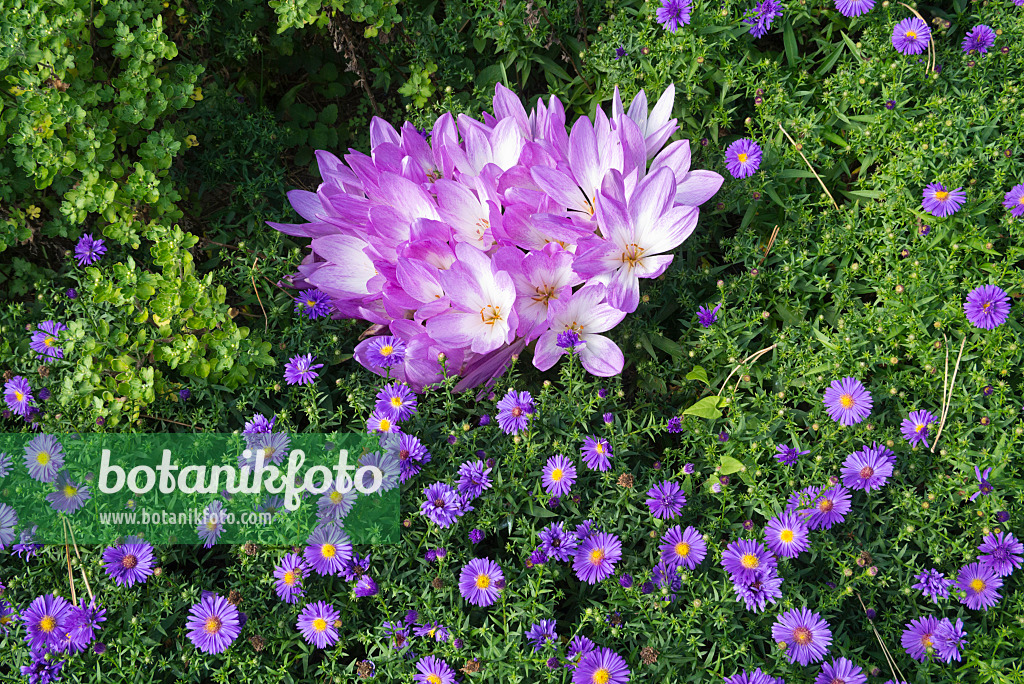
(557, 474)
(289, 578)
(48, 341)
(912, 35)
(846, 401)
(977, 586)
(601, 676)
(483, 581)
(433, 679)
(802, 636)
(633, 255)
(319, 624)
(941, 195)
(682, 549)
(919, 427)
(596, 556)
(786, 536)
(599, 448)
(825, 505)
(926, 640)
(328, 551)
(741, 157)
(396, 402)
(70, 491)
(335, 497)
(5, 619)
(48, 623)
(386, 350)
(18, 396)
(749, 561)
(385, 425)
(42, 458)
(213, 624)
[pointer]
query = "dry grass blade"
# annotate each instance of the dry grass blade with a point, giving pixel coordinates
(949, 397)
(771, 241)
(67, 556)
(81, 565)
(800, 152)
(932, 53)
(894, 669)
(753, 357)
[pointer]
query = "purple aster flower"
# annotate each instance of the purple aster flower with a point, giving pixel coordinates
(44, 456)
(45, 339)
(314, 303)
(596, 453)
(1002, 516)
(806, 635)
(481, 581)
(1001, 553)
(129, 564)
(259, 425)
(673, 13)
(300, 370)
(557, 543)
(724, 437)
(933, 584)
(382, 423)
(213, 624)
(540, 633)
(365, 586)
(847, 402)
(474, 478)
(25, 549)
(829, 507)
(538, 557)
(184, 394)
(941, 202)
(396, 401)
(984, 486)
(854, 8)
(18, 395)
(476, 536)
(432, 630)
(890, 104)
(764, 14)
(620, 52)
(979, 38)
(328, 549)
(72, 293)
(675, 425)
(743, 159)
(840, 670)
(409, 451)
(910, 37)
(754, 677)
(948, 639)
(558, 475)
(918, 637)
(981, 584)
(289, 574)
(757, 594)
(601, 666)
(915, 427)
(683, 548)
(7, 616)
(69, 496)
(608, 418)
(665, 500)
(399, 633)
(514, 411)
(747, 559)
(868, 468)
(625, 580)
(596, 557)
(1014, 200)
(46, 622)
(89, 250)
(82, 626)
(42, 670)
(5, 465)
(441, 505)
(788, 455)
(433, 671)
(705, 316)
(987, 307)
(385, 351)
(212, 525)
(787, 535)
(569, 339)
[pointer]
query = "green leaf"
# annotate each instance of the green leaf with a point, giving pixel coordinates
(698, 373)
(789, 39)
(705, 408)
(730, 465)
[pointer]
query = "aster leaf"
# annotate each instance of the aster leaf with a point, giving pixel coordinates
(705, 408)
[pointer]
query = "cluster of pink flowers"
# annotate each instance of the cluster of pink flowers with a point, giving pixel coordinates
(494, 235)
